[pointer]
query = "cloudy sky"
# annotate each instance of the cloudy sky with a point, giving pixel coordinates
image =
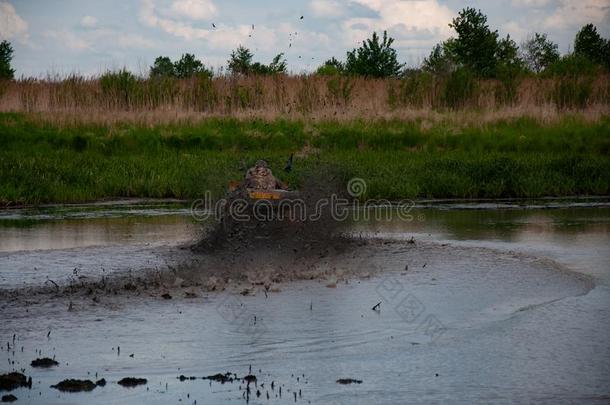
(89, 37)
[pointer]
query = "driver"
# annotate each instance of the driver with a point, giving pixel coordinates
(260, 177)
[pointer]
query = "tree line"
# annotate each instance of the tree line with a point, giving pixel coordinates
(475, 49)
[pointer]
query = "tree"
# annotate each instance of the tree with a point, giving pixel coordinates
(590, 44)
(476, 46)
(188, 66)
(240, 61)
(278, 64)
(163, 67)
(331, 67)
(507, 53)
(538, 53)
(6, 56)
(439, 62)
(375, 58)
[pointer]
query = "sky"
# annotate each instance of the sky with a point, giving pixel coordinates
(61, 37)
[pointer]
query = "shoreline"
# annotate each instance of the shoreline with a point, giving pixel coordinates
(419, 202)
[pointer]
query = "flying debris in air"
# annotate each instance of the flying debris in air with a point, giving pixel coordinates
(213, 25)
(288, 167)
(252, 27)
(301, 18)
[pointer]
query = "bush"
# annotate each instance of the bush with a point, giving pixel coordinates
(417, 89)
(459, 88)
(119, 87)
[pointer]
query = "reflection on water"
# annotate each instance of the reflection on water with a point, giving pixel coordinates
(504, 225)
(72, 233)
(44, 230)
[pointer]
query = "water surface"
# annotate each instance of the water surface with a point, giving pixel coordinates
(503, 305)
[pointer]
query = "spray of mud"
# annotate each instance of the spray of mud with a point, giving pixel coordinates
(247, 255)
(281, 249)
(316, 229)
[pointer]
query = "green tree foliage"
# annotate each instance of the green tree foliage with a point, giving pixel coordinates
(476, 46)
(278, 64)
(6, 56)
(589, 44)
(507, 53)
(187, 66)
(163, 67)
(240, 62)
(375, 58)
(439, 62)
(331, 67)
(538, 52)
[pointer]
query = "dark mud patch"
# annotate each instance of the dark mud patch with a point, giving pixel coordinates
(14, 380)
(189, 274)
(219, 377)
(73, 385)
(346, 381)
(44, 362)
(9, 398)
(131, 382)
(222, 378)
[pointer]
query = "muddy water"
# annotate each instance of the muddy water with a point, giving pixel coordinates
(508, 305)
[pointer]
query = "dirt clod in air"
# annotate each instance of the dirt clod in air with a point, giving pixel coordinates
(9, 398)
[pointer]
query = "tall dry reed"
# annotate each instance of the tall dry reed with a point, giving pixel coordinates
(122, 96)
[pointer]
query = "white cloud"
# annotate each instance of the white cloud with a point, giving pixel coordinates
(531, 3)
(225, 37)
(68, 40)
(516, 31)
(11, 25)
(417, 23)
(98, 40)
(575, 14)
(326, 8)
(194, 9)
(132, 41)
(88, 21)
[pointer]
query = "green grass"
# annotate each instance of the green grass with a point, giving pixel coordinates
(43, 163)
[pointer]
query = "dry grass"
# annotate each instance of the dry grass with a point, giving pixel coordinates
(311, 97)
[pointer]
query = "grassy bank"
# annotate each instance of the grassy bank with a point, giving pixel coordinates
(44, 162)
